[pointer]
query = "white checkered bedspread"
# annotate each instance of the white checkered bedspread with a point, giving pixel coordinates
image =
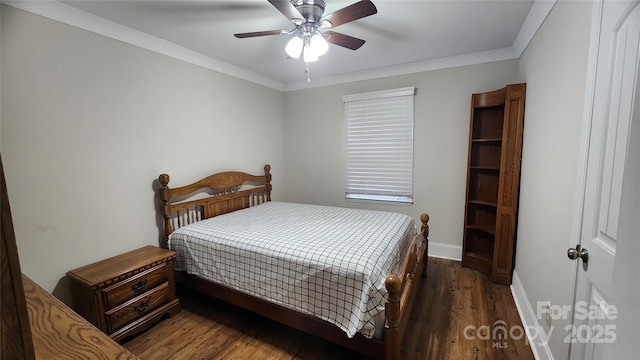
(324, 261)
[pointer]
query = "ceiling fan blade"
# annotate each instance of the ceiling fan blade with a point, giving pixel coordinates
(343, 40)
(350, 13)
(287, 9)
(260, 33)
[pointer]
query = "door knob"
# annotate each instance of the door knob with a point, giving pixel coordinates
(578, 252)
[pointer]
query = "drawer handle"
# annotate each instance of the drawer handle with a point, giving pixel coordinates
(142, 307)
(139, 286)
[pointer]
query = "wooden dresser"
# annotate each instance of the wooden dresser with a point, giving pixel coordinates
(127, 293)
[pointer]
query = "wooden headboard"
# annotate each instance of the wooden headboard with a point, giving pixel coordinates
(225, 194)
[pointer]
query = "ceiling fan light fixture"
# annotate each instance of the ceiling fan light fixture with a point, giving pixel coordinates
(294, 47)
(318, 44)
(309, 19)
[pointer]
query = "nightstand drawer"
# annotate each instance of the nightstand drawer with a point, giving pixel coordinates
(137, 307)
(134, 286)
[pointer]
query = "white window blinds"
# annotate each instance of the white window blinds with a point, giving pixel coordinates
(379, 145)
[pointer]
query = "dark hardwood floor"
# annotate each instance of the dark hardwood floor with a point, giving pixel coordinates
(456, 315)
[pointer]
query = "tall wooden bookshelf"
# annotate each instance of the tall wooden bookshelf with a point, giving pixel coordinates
(493, 179)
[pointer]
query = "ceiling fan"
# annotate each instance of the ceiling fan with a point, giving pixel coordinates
(307, 16)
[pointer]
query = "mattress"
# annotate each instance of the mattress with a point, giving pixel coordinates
(324, 261)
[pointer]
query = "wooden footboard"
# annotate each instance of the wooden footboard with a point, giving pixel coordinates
(402, 291)
(226, 195)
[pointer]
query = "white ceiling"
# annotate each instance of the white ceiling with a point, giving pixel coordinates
(401, 35)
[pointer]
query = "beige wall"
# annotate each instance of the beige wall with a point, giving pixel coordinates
(555, 68)
(88, 124)
(315, 133)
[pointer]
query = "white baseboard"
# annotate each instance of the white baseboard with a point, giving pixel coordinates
(445, 251)
(535, 332)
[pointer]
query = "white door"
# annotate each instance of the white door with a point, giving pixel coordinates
(606, 320)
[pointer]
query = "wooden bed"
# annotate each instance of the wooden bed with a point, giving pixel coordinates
(230, 191)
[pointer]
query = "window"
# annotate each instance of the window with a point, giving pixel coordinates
(379, 145)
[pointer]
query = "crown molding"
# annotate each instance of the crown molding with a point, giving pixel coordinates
(71, 16)
(538, 13)
(410, 68)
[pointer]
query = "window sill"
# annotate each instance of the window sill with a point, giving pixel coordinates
(381, 201)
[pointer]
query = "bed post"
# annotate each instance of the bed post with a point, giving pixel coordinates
(165, 196)
(424, 218)
(392, 313)
(267, 176)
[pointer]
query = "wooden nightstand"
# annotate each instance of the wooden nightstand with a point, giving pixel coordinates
(127, 293)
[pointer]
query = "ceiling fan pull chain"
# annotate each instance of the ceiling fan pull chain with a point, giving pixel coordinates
(307, 69)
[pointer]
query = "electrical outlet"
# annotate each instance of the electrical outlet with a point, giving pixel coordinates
(547, 313)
